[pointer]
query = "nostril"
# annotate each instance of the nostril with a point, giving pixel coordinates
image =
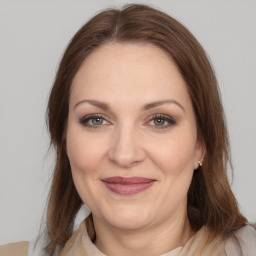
(126, 157)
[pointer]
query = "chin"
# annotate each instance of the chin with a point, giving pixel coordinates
(129, 219)
(129, 224)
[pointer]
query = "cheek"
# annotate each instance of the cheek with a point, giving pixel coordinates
(84, 152)
(174, 155)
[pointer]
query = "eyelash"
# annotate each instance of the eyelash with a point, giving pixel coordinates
(85, 120)
(165, 118)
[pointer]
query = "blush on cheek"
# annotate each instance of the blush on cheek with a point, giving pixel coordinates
(174, 159)
(82, 160)
(84, 156)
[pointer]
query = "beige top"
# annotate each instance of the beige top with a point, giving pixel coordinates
(14, 249)
(242, 242)
(80, 244)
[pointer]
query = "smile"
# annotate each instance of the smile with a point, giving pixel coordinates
(127, 186)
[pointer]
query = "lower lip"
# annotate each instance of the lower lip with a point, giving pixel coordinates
(128, 189)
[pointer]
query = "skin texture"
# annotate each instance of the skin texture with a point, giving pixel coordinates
(128, 141)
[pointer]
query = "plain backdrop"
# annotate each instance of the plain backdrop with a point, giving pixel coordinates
(33, 36)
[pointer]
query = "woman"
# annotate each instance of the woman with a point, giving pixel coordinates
(138, 126)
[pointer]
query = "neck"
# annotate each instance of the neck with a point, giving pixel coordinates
(150, 241)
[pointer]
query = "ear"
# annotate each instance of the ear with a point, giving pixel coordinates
(199, 153)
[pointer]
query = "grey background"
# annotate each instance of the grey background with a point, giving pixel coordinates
(33, 37)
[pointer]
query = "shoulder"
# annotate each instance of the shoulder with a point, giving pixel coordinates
(242, 242)
(14, 249)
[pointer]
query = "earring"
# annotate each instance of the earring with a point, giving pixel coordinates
(201, 162)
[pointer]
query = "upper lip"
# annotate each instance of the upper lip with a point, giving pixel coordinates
(127, 180)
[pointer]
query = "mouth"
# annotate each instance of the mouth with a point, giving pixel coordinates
(127, 185)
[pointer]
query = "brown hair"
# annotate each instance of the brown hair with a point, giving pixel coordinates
(210, 199)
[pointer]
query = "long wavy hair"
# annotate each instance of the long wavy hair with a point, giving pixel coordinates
(210, 199)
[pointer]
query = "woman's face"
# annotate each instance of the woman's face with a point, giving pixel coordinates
(132, 136)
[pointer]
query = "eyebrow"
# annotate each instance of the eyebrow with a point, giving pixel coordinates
(161, 102)
(95, 103)
(105, 106)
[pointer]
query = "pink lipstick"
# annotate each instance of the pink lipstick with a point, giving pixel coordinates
(127, 185)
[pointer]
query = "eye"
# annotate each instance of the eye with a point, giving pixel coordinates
(161, 121)
(93, 121)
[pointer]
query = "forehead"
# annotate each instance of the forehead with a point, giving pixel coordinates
(123, 70)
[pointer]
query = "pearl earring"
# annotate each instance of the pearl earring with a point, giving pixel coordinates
(201, 162)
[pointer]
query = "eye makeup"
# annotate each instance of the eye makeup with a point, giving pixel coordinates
(155, 121)
(94, 121)
(161, 121)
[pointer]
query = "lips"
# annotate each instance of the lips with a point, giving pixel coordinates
(127, 185)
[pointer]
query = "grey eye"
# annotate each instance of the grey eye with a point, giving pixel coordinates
(93, 121)
(97, 121)
(159, 121)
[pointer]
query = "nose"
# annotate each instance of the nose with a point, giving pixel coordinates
(126, 148)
